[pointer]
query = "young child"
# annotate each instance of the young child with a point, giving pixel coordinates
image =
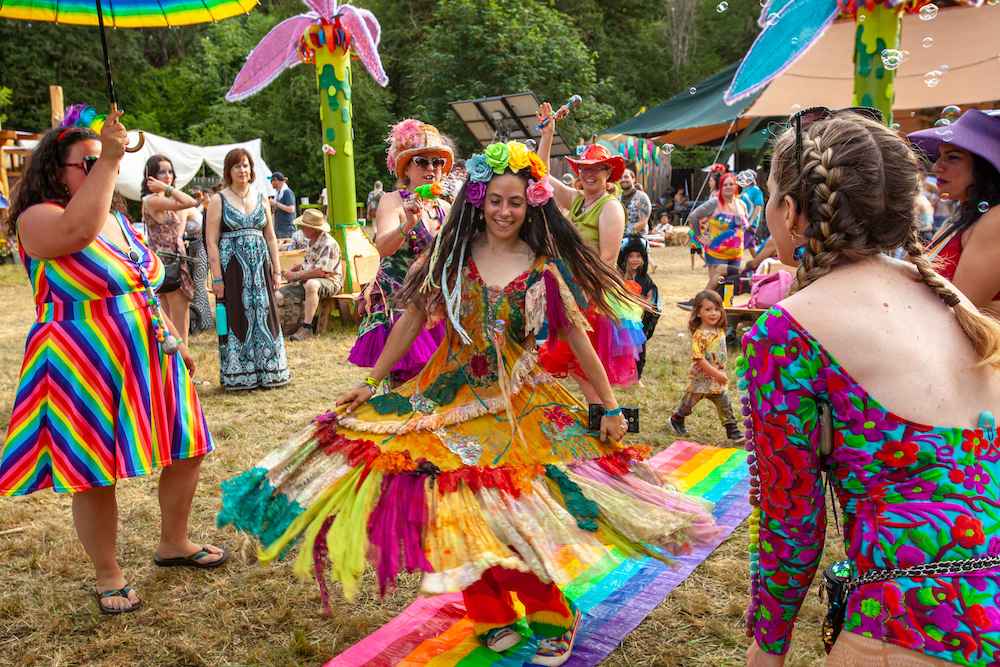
(633, 262)
(708, 379)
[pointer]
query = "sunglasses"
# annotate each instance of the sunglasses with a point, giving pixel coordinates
(86, 164)
(806, 117)
(423, 162)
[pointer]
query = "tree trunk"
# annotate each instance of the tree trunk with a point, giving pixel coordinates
(681, 17)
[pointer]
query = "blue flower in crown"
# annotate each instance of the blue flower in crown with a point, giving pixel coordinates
(479, 169)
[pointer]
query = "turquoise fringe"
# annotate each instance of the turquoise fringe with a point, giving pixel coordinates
(583, 509)
(251, 504)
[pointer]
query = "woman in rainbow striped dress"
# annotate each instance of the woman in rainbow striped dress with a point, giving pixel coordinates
(105, 390)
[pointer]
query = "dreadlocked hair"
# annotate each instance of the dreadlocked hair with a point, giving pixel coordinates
(856, 188)
(546, 231)
(42, 180)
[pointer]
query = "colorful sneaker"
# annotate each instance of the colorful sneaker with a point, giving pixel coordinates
(556, 651)
(501, 639)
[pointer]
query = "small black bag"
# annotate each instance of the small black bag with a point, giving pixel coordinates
(172, 263)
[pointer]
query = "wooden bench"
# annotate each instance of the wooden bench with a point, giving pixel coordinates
(365, 268)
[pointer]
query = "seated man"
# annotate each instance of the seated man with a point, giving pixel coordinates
(320, 274)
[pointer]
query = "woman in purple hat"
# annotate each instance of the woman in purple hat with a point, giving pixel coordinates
(967, 166)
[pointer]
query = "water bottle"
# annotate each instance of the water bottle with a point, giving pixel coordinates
(221, 323)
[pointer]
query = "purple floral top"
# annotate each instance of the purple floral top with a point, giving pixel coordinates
(910, 494)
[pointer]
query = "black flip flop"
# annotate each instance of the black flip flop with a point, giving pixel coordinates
(192, 560)
(121, 592)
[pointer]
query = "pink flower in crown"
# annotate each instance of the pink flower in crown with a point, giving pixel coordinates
(539, 192)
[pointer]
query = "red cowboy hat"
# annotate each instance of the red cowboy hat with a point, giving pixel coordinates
(599, 155)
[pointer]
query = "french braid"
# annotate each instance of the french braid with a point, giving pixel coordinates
(857, 207)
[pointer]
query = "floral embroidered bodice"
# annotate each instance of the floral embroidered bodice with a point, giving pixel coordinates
(910, 494)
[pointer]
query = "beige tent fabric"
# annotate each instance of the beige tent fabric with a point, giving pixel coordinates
(966, 41)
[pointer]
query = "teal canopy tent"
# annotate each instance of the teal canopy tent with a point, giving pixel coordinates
(690, 118)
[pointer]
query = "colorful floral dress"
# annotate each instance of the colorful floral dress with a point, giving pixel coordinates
(378, 313)
(98, 400)
(910, 494)
(437, 477)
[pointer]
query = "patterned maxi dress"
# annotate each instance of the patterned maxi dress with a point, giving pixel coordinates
(437, 477)
(98, 401)
(378, 314)
(252, 353)
(910, 494)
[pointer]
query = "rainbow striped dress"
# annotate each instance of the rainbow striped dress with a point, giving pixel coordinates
(98, 400)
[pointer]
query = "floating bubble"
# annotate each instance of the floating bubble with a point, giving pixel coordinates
(795, 40)
(984, 205)
(928, 12)
(771, 20)
(891, 58)
(721, 7)
(933, 78)
(927, 42)
(895, 126)
(946, 133)
(942, 122)
(692, 90)
(944, 68)
(952, 111)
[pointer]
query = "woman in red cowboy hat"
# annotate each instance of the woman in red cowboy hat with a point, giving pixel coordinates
(404, 226)
(600, 219)
(967, 167)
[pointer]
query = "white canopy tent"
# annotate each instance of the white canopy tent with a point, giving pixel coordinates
(187, 159)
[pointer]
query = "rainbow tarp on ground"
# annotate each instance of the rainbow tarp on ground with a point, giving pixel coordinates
(434, 632)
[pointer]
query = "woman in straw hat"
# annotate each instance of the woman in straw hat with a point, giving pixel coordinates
(600, 219)
(967, 167)
(404, 226)
(481, 472)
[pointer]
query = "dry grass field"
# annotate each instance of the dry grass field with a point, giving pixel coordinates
(247, 614)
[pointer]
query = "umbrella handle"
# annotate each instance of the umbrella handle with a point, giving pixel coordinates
(139, 145)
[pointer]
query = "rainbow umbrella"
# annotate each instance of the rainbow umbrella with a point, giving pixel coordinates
(124, 14)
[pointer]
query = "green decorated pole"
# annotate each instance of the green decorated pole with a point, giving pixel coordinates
(333, 77)
(878, 30)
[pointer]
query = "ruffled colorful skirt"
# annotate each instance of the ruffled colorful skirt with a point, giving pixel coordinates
(618, 345)
(438, 477)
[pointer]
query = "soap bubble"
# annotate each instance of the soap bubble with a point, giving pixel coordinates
(928, 12)
(891, 58)
(721, 7)
(942, 122)
(927, 42)
(692, 90)
(946, 133)
(933, 78)
(983, 206)
(795, 40)
(895, 127)
(952, 110)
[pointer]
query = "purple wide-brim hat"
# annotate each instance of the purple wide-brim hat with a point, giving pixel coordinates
(975, 131)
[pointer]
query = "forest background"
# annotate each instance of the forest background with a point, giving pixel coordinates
(619, 55)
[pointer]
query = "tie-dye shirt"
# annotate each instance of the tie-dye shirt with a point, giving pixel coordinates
(910, 494)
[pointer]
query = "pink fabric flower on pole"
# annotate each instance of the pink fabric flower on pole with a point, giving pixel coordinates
(539, 192)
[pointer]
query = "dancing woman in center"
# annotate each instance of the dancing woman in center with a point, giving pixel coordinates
(479, 472)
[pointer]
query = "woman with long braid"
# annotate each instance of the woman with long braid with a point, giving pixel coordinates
(880, 374)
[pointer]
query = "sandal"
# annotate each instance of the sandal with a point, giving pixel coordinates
(501, 639)
(122, 593)
(193, 561)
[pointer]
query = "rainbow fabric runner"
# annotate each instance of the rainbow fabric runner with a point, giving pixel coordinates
(434, 632)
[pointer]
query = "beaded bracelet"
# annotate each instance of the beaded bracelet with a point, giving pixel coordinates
(169, 191)
(614, 412)
(217, 281)
(372, 384)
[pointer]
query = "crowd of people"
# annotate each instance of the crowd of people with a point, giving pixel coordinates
(464, 457)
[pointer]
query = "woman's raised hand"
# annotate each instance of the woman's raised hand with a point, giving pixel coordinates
(155, 185)
(114, 138)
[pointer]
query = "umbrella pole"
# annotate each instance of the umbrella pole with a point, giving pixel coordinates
(107, 58)
(112, 98)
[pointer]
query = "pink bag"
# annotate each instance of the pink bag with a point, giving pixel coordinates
(768, 289)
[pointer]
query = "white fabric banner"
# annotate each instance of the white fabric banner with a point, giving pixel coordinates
(187, 159)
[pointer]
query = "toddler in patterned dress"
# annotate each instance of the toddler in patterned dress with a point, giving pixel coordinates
(708, 379)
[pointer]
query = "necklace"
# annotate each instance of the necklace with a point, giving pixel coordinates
(243, 197)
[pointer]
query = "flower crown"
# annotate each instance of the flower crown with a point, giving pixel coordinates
(498, 158)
